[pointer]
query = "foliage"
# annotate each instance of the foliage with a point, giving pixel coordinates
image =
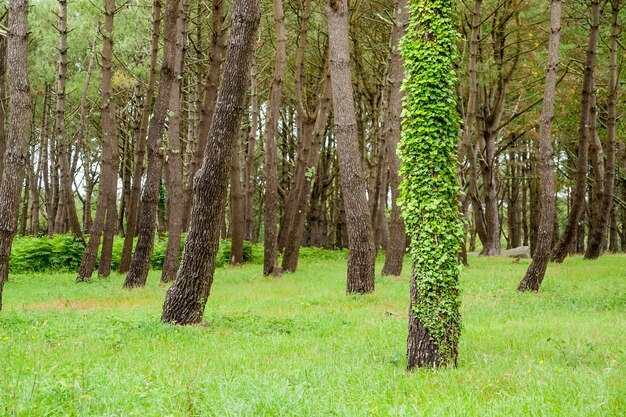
(99, 350)
(57, 253)
(429, 187)
(63, 253)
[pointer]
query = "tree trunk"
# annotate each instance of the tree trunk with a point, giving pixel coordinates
(140, 143)
(271, 148)
(395, 250)
(249, 171)
(597, 236)
(236, 209)
(187, 297)
(67, 206)
(578, 199)
(109, 158)
(3, 102)
(151, 194)
(174, 168)
(15, 156)
(360, 236)
(537, 269)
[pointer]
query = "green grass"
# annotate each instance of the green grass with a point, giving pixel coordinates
(298, 346)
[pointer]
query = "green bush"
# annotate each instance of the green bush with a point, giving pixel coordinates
(56, 253)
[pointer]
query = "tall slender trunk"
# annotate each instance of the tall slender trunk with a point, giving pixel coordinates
(361, 259)
(578, 199)
(15, 156)
(174, 160)
(236, 209)
(397, 235)
(140, 143)
(271, 148)
(187, 297)
(248, 175)
(537, 269)
(67, 206)
(151, 194)
(3, 101)
(109, 158)
(597, 236)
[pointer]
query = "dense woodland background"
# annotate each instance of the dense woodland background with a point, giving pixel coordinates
(89, 159)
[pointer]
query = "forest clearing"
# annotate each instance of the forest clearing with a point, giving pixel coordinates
(312, 207)
(297, 346)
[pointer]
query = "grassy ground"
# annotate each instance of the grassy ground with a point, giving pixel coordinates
(299, 346)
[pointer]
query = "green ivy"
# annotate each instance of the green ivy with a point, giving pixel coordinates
(429, 187)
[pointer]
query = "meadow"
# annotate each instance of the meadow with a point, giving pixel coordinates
(298, 346)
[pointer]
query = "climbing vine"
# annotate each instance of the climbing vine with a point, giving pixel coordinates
(429, 187)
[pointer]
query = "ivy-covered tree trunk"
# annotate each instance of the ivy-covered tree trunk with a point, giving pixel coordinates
(429, 187)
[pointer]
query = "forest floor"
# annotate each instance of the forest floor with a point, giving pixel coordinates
(298, 346)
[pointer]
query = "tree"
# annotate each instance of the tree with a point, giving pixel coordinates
(109, 158)
(597, 236)
(187, 297)
(395, 251)
(138, 273)
(537, 269)
(19, 126)
(140, 142)
(360, 235)
(429, 186)
(271, 150)
(578, 199)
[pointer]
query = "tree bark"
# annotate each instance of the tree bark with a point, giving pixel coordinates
(3, 101)
(140, 143)
(67, 206)
(236, 209)
(271, 147)
(361, 259)
(175, 197)
(537, 269)
(187, 297)
(151, 194)
(397, 235)
(249, 171)
(15, 157)
(597, 236)
(109, 158)
(578, 199)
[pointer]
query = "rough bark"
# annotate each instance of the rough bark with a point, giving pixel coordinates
(67, 206)
(271, 147)
(395, 250)
(597, 236)
(536, 271)
(109, 157)
(578, 199)
(15, 157)
(360, 277)
(140, 143)
(249, 173)
(186, 299)
(236, 209)
(151, 194)
(3, 99)
(174, 165)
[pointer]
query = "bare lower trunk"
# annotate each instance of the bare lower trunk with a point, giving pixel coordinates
(395, 250)
(236, 209)
(174, 161)
(140, 143)
(249, 172)
(360, 277)
(150, 196)
(15, 156)
(186, 299)
(271, 147)
(537, 269)
(578, 199)
(109, 159)
(598, 233)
